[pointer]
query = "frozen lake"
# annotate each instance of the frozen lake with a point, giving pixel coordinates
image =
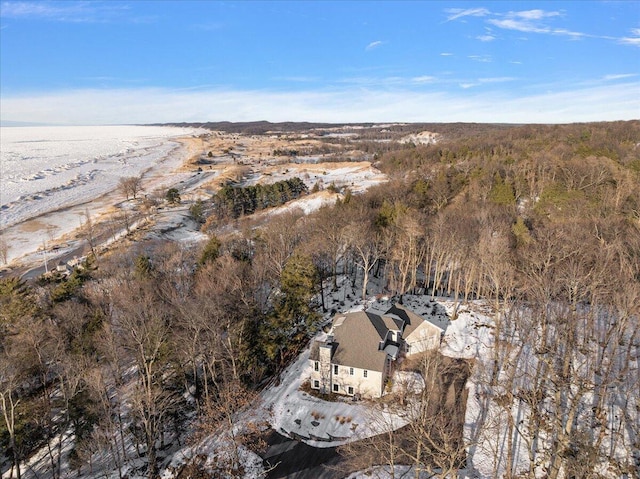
(49, 169)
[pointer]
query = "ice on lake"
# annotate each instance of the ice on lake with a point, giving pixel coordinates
(47, 168)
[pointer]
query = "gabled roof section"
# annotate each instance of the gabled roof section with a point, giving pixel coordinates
(393, 322)
(378, 322)
(412, 320)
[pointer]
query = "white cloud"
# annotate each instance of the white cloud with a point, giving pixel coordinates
(572, 34)
(611, 101)
(529, 23)
(619, 76)
(532, 21)
(446, 54)
(519, 25)
(456, 13)
(73, 12)
(534, 14)
(634, 39)
(373, 45)
(630, 41)
(424, 79)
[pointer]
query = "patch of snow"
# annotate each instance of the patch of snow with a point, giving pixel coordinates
(409, 381)
(422, 138)
(308, 204)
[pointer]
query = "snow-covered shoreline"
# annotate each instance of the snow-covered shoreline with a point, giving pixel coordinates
(49, 172)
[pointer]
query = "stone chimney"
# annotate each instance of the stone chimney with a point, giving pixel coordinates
(324, 352)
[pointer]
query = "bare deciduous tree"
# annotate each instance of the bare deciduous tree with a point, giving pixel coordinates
(130, 186)
(4, 250)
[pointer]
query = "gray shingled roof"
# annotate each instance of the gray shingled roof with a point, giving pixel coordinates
(357, 340)
(357, 335)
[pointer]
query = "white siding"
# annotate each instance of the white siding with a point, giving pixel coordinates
(424, 338)
(370, 385)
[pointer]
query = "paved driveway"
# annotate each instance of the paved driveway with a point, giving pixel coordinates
(297, 460)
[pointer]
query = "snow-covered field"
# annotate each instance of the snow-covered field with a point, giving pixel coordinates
(47, 169)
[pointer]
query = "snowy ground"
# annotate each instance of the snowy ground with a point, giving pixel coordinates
(357, 176)
(307, 204)
(316, 422)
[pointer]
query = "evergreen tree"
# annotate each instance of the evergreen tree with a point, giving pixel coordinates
(173, 196)
(211, 251)
(144, 268)
(293, 318)
(16, 301)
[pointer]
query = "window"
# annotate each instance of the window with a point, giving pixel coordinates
(316, 366)
(316, 384)
(335, 388)
(335, 369)
(350, 371)
(365, 373)
(350, 390)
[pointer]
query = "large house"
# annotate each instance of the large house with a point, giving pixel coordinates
(357, 356)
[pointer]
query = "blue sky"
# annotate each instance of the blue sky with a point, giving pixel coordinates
(94, 62)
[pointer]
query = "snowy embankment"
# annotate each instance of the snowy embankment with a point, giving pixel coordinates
(470, 336)
(500, 429)
(357, 176)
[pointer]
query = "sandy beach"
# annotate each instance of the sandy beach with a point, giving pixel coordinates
(197, 165)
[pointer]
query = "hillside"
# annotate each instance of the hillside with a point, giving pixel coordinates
(527, 235)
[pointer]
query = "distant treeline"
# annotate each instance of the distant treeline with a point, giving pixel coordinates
(256, 127)
(364, 130)
(234, 201)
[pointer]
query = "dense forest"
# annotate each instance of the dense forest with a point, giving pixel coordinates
(161, 342)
